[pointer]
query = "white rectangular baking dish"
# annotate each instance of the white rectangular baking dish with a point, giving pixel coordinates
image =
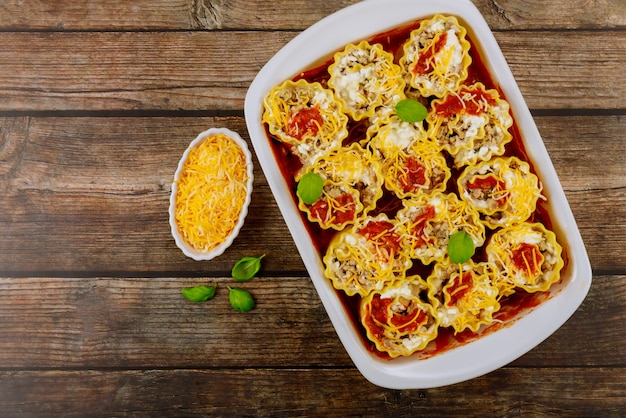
(491, 351)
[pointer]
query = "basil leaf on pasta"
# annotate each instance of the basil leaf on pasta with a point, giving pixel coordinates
(410, 110)
(460, 247)
(310, 187)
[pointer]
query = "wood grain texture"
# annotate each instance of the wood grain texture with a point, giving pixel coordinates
(140, 323)
(99, 99)
(142, 71)
(55, 15)
(508, 392)
(92, 194)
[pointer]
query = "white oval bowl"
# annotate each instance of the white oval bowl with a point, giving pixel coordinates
(187, 249)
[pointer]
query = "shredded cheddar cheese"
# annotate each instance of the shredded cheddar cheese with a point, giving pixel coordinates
(211, 192)
(505, 253)
(473, 308)
(436, 56)
(365, 77)
(397, 319)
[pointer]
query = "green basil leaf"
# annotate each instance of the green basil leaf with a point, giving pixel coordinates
(460, 247)
(246, 268)
(310, 187)
(410, 110)
(241, 300)
(199, 293)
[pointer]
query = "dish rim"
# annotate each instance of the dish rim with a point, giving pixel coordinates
(187, 249)
(489, 352)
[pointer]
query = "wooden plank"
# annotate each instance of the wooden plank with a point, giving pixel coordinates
(146, 322)
(130, 71)
(92, 194)
(111, 71)
(294, 15)
(577, 144)
(307, 392)
(544, 63)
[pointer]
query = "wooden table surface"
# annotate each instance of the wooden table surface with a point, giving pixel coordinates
(98, 100)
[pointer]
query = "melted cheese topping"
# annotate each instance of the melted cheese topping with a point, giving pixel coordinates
(211, 192)
(394, 135)
(397, 170)
(355, 168)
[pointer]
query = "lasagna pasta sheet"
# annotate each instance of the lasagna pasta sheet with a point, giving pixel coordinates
(428, 223)
(525, 256)
(436, 57)
(503, 190)
(365, 78)
(472, 124)
(463, 296)
(307, 117)
(338, 206)
(411, 163)
(366, 256)
(399, 319)
(352, 185)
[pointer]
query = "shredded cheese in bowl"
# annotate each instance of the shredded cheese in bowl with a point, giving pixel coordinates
(211, 193)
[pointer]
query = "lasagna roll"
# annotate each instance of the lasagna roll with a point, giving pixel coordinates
(525, 256)
(399, 319)
(503, 190)
(463, 295)
(411, 163)
(307, 117)
(355, 167)
(423, 169)
(366, 256)
(471, 124)
(392, 135)
(436, 56)
(364, 77)
(428, 222)
(338, 206)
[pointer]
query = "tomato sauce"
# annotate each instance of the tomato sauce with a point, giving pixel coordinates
(415, 175)
(460, 287)
(424, 63)
(306, 121)
(470, 101)
(527, 257)
(490, 185)
(341, 214)
(511, 306)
